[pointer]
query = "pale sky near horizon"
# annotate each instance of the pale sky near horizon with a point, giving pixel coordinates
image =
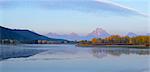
(79, 16)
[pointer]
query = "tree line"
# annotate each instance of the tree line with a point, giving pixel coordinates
(120, 40)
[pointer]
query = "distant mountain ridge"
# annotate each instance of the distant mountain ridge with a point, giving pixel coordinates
(23, 35)
(97, 33)
(63, 36)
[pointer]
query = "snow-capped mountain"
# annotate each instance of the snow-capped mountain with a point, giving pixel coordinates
(131, 34)
(97, 33)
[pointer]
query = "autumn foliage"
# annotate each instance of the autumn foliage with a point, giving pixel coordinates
(125, 40)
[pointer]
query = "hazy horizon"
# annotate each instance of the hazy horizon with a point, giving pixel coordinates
(79, 16)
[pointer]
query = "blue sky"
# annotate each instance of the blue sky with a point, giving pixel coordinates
(79, 16)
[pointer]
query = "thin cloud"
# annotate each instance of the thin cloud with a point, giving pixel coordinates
(121, 7)
(94, 6)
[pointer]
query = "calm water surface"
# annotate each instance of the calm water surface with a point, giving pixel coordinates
(69, 58)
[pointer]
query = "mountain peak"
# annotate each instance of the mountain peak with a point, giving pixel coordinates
(73, 34)
(131, 34)
(98, 31)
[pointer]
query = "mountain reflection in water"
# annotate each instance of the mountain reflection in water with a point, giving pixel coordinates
(102, 52)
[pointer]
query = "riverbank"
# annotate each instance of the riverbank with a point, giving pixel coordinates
(114, 46)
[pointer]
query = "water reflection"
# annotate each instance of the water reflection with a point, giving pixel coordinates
(7, 52)
(64, 51)
(102, 52)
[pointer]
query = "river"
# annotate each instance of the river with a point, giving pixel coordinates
(69, 58)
